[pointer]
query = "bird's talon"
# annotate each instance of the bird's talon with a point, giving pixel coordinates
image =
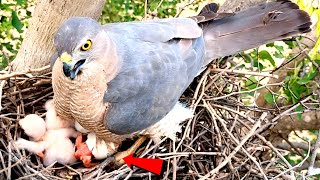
(120, 155)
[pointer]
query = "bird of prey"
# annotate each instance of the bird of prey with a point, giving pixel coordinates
(121, 80)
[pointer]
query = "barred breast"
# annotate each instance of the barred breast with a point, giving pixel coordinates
(62, 89)
(81, 100)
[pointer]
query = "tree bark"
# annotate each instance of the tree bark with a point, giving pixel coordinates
(237, 5)
(37, 47)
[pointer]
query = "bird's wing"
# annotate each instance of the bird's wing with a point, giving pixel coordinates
(159, 59)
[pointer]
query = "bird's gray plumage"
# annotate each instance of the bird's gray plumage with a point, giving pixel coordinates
(68, 38)
(154, 72)
(158, 59)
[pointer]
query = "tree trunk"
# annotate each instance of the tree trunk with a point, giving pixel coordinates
(37, 47)
(237, 5)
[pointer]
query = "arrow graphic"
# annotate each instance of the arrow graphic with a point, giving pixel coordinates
(151, 165)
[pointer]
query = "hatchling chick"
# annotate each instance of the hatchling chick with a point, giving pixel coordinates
(58, 146)
(51, 145)
(52, 120)
(34, 126)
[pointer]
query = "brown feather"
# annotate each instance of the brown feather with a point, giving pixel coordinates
(252, 27)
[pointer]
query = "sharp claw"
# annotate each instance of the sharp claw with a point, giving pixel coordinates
(120, 155)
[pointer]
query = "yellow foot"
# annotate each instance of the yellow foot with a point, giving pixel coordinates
(120, 155)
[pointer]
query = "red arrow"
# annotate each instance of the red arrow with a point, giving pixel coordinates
(152, 165)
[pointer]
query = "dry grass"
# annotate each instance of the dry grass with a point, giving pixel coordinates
(224, 140)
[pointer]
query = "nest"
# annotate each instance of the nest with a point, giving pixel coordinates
(224, 140)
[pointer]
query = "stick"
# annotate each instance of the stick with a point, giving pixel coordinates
(14, 74)
(245, 139)
(232, 71)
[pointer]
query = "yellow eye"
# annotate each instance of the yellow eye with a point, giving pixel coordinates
(86, 46)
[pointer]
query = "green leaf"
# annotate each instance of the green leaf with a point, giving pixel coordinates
(313, 74)
(16, 21)
(278, 55)
(265, 55)
(269, 98)
(247, 58)
(258, 65)
(279, 48)
(298, 91)
(314, 132)
(20, 2)
(251, 83)
(299, 109)
(242, 66)
(6, 6)
(303, 81)
(8, 46)
(308, 77)
(3, 63)
(290, 43)
(270, 44)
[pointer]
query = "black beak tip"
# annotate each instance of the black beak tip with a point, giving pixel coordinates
(66, 69)
(72, 72)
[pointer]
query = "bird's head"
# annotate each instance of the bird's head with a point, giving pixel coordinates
(79, 41)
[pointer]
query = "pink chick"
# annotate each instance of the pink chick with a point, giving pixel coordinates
(31, 146)
(52, 120)
(59, 147)
(34, 126)
(51, 145)
(54, 147)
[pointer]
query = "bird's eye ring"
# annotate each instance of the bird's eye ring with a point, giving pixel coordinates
(86, 46)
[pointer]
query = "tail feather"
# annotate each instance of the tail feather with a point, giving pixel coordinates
(212, 7)
(252, 27)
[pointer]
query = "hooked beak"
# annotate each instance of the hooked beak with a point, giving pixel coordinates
(70, 68)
